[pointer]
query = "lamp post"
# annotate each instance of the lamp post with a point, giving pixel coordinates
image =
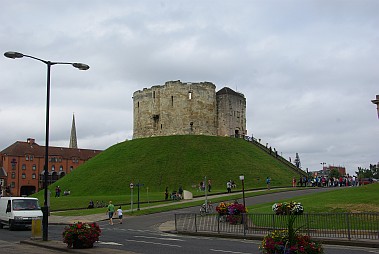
(377, 103)
(80, 66)
(242, 178)
(323, 165)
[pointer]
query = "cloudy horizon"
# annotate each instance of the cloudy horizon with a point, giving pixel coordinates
(308, 69)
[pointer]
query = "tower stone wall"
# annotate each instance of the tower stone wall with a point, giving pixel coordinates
(231, 112)
(177, 108)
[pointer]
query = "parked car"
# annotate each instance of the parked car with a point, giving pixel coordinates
(364, 181)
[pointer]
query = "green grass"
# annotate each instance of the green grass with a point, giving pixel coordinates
(171, 161)
(351, 199)
(363, 199)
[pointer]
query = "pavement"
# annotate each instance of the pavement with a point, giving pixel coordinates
(53, 246)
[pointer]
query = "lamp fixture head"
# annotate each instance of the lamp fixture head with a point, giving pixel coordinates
(13, 55)
(81, 66)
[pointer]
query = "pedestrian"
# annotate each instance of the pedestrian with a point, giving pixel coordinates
(229, 186)
(209, 185)
(110, 212)
(119, 213)
(268, 181)
(166, 194)
(180, 192)
(294, 182)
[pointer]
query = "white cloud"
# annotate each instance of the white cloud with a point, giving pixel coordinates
(307, 68)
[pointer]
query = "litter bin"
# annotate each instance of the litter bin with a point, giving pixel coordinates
(36, 228)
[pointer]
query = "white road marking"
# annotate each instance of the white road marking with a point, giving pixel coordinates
(164, 244)
(229, 251)
(110, 243)
(159, 238)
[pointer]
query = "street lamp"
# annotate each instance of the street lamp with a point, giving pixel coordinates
(242, 178)
(377, 103)
(80, 66)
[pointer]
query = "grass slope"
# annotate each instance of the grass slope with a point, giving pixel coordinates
(173, 161)
(349, 199)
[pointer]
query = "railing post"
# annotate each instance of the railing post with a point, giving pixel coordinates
(244, 224)
(348, 226)
(218, 224)
(273, 221)
(195, 224)
(176, 225)
(307, 219)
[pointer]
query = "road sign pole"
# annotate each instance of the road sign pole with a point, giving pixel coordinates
(138, 196)
(131, 196)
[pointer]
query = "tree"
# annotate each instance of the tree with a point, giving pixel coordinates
(372, 172)
(334, 173)
(297, 161)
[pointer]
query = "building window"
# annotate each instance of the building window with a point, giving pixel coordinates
(34, 176)
(27, 157)
(53, 168)
(31, 157)
(60, 168)
(23, 175)
(13, 184)
(34, 167)
(23, 167)
(13, 175)
(71, 168)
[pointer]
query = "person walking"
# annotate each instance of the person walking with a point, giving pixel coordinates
(209, 185)
(119, 213)
(166, 194)
(268, 182)
(229, 186)
(110, 212)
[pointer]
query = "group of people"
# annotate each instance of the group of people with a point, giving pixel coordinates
(111, 211)
(202, 186)
(325, 181)
(175, 195)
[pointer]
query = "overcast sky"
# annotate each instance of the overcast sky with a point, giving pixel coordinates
(308, 69)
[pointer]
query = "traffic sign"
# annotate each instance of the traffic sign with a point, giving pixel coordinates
(131, 185)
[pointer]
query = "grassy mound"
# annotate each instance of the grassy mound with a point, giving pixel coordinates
(175, 161)
(360, 199)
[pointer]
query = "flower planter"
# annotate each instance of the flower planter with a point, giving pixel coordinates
(81, 235)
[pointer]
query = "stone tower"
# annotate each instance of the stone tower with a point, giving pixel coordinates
(231, 113)
(177, 108)
(73, 140)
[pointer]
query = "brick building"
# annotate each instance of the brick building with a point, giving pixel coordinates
(22, 165)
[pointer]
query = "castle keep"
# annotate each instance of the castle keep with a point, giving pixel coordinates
(177, 108)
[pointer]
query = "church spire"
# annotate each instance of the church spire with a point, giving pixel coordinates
(73, 140)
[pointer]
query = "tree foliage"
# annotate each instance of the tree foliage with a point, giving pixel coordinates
(334, 173)
(372, 172)
(297, 161)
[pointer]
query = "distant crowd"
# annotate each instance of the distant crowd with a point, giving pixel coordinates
(325, 181)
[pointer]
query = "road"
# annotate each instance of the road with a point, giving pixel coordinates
(142, 235)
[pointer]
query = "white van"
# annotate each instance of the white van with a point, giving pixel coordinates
(18, 211)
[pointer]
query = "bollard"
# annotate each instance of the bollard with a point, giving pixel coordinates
(36, 228)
